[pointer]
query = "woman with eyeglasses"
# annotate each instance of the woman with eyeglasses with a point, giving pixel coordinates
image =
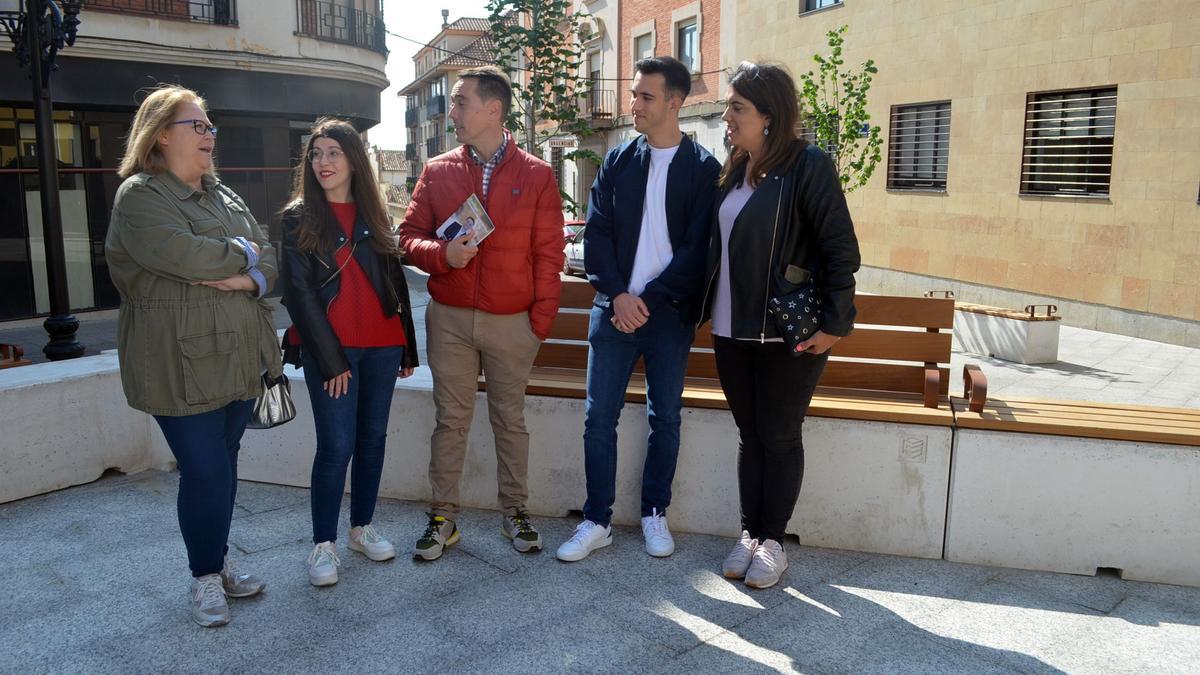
(781, 220)
(194, 335)
(345, 290)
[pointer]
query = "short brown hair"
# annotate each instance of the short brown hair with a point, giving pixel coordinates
(492, 85)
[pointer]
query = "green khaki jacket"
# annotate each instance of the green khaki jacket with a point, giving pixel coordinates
(187, 349)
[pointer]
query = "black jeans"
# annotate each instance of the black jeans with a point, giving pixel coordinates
(768, 391)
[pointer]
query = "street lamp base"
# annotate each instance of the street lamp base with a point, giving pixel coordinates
(62, 345)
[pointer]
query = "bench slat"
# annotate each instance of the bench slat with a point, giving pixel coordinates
(891, 310)
(1103, 421)
(846, 374)
(863, 343)
(706, 393)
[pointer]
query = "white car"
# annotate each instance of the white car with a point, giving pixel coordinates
(574, 254)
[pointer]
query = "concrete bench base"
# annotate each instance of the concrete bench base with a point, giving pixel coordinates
(868, 486)
(1066, 504)
(65, 423)
(1002, 337)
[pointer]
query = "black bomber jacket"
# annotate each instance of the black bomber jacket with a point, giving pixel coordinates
(311, 282)
(797, 215)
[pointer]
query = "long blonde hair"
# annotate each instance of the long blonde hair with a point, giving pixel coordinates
(153, 116)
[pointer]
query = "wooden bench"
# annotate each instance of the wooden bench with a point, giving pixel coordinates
(1072, 486)
(1029, 336)
(877, 438)
(894, 367)
(11, 357)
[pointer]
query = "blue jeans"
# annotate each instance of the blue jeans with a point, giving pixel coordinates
(206, 450)
(663, 342)
(351, 427)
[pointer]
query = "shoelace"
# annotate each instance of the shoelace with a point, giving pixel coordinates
(767, 555)
(520, 520)
(582, 531)
(657, 526)
(433, 528)
(209, 592)
(324, 554)
(231, 570)
(368, 535)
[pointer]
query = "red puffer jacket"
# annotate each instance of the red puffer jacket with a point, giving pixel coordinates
(518, 265)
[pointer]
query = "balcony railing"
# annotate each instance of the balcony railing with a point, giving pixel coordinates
(433, 147)
(600, 104)
(411, 117)
(217, 12)
(410, 151)
(435, 106)
(334, 22)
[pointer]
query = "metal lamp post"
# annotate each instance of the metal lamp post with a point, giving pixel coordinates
(38, 32)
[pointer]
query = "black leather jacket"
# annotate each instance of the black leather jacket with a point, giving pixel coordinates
(797, 215)
(310, 283)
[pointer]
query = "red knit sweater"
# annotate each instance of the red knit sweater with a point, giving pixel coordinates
(356, 313)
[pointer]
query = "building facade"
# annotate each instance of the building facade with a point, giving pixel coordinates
(463, 44)
(267, 68)
(1041, 151)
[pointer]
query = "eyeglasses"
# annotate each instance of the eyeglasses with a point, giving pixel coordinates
(334, 156)
(199, 126)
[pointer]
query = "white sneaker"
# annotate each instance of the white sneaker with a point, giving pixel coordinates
(658, 537)
(738, 560)
(768, 564)
(367, 541)
(322, 564)
(588, 537)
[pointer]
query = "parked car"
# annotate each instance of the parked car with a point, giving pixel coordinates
(574, 250)
(570, 229)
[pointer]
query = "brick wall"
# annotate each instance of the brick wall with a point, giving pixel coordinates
(635, 13)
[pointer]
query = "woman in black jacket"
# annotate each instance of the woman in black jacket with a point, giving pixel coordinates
(782, 219)
(344, 288)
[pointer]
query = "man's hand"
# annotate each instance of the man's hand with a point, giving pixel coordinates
(405, 372)
(629, 312)
(237, 282)
(459, 252)
(819, 343)
(338, 386)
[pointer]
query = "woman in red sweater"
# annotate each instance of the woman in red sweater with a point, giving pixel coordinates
(344, 288)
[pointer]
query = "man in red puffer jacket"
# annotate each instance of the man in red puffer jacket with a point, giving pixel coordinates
(492, 304)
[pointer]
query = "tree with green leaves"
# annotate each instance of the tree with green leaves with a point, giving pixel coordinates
(834, 105)
(541, 41)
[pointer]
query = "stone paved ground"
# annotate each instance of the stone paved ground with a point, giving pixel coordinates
(96, 576)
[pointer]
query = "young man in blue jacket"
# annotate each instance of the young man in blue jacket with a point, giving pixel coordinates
(645, 249)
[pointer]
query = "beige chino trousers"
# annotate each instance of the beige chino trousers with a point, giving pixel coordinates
(459, 340)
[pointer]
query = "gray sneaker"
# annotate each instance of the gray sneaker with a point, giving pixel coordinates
(238, 584)
(524, 535)
(738, 561)
(440, 534)
(322, 564)
(367, 541)
(208, 601)
(767, 565)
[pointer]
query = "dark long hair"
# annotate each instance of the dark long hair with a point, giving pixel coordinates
(318, 228)
(773, 93)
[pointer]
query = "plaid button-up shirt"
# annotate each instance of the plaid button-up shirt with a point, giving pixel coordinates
(490, 165)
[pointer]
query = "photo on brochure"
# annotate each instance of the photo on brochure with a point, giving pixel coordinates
(470, 218)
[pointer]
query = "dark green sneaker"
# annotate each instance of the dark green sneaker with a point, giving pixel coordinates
(524, 536)
(440, 533)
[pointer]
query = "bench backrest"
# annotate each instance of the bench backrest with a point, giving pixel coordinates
(897, 343)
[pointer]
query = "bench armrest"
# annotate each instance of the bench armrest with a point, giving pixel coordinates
(974, 387)
(933, 380)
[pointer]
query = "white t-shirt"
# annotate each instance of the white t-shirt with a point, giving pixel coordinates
(654, 250)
